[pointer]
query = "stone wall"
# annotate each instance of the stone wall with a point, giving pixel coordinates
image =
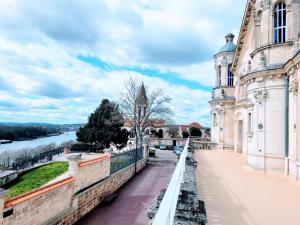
(67, 200)
(83, 202)
(35, 207)
(189, 209)
(88, 172)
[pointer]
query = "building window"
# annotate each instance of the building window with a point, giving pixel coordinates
(230, 76)
(280, 23)
(215, 120)
(219, 76)
(249, 122)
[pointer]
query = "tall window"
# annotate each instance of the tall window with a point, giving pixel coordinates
(219, 76)
(230, 76)
(249, 122)
(280, 23)
(215, 120)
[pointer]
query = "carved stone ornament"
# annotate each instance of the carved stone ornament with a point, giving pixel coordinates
(262, 61)
(265, 4)
(224, 61)
(294, 87)
(261, 96)
(249, 66)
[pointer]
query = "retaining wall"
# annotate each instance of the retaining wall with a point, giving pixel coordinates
(67, 200)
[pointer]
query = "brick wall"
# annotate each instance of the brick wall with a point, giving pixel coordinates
(85, 201)
(35, 207)
(91, 171)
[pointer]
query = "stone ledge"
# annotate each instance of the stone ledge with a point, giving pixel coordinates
(29, 195)
(189, 210)
(92, 161)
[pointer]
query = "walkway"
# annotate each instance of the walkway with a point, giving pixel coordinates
(234, 194)
(132, 203)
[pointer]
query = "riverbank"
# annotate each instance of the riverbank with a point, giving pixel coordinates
(33, 143)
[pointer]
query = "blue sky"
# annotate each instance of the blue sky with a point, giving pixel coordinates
(58, 59)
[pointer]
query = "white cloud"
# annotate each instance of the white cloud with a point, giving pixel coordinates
(42, 79)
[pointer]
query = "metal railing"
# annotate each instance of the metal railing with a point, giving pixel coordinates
(166, 212)
(30, 161)
(122, 160)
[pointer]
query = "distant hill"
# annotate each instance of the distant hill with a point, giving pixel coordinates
(59, 127)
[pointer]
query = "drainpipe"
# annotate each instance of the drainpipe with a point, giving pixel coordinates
(286, 155)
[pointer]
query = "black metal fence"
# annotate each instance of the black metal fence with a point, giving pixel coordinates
(20, 164)
(122, 160)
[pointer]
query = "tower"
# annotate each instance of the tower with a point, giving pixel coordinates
(223, 100)
(141, 102)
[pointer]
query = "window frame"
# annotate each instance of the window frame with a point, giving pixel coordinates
(230, 76)
(279, 23)
(219, 76)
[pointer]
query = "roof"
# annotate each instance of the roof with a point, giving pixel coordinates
(243, 31)
(229, 46)
(142, 97)
(187, 127)
(195, 124)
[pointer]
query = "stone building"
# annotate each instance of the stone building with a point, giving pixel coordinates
(260, 115)
(223, 100)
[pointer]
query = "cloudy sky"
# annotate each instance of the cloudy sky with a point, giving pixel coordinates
(59, 59)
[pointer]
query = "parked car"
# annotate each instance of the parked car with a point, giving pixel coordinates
(162, 147)
(169, 147)
(178, 150)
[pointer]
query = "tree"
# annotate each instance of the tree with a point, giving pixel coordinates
(185, 134)
(142, 110)
(103, 127)
(121, 138)
(160, 134)
(195, 132)
(173, 131)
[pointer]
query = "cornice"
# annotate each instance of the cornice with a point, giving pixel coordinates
(262, 75)
(267, 46)
(243, 32)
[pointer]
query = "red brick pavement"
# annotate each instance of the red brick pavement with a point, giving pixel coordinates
(134, 198)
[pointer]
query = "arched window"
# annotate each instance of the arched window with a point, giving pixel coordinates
(280, 23)
(230, 76)
(219, 75)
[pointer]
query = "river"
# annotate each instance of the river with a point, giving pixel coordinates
(70, 136)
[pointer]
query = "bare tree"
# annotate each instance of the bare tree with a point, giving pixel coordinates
(143, 110)
(174, 131)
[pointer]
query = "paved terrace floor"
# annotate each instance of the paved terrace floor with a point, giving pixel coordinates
(135, 197)
(234, 194)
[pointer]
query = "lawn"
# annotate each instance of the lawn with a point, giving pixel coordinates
(36, 178)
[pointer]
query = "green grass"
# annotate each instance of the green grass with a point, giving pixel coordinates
(36, 178)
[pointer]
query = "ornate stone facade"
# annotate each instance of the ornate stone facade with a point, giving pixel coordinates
(266, 108)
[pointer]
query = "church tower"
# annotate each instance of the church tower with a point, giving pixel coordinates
(223, 100)
(141, 102)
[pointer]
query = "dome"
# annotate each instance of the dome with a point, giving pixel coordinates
(229, 46)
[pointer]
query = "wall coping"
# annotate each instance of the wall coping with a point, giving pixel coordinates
(92, 161)
(42, 190)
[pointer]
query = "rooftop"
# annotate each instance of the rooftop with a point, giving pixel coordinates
(229, 46)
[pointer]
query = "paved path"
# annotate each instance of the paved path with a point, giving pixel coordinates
(134, 198)
(234, 194)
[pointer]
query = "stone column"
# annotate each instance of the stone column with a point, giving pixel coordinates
(146, 151)
(73, 164)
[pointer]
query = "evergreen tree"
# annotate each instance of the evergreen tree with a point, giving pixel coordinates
(104, 126)
(195, 132)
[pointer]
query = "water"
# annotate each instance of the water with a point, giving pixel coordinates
(70, 136)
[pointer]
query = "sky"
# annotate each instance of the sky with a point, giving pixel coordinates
(59, 59)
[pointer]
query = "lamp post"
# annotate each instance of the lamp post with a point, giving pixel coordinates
(136, 149)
